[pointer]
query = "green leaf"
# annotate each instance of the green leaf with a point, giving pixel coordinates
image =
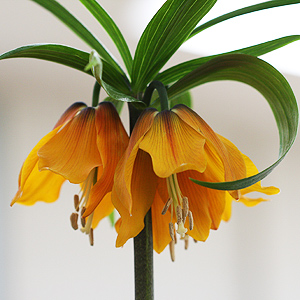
(111, 218)
(111, 28)
(96, 65)
(66, 17)
(184, 98)
(165, 33)
(243, 11)
(176, 72)
(264, 78)
(67, 56)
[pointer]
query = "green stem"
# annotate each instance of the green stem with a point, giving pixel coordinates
(96, 93)
(162, 93)
(143, 243)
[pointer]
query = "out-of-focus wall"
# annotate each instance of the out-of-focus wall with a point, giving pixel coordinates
(254, 256)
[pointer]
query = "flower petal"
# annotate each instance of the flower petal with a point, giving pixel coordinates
(143, 186)
(207, 205)
(73, 151)
(227, 152)
(104, 209)
(112, 141)
(160, 223)
(173, 145)
(123, 174)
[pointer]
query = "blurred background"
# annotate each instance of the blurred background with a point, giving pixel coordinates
(253, 256)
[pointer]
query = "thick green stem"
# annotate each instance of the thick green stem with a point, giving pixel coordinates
(143, 243)
(143, 261)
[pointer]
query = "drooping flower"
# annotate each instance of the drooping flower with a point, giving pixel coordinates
(84, 148)
(165, 150)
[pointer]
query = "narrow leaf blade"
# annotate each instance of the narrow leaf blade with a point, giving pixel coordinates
(176, 72)
(243, 11)
(167, 30)
(112, 29)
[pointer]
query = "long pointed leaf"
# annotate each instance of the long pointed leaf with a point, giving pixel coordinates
(269, 82)
(167, 30)
(66, 17)
(67, 56)
(243, 11)
(176, 72)
(112, 29)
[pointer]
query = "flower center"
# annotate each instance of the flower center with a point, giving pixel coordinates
(80, 202)
(179, 206)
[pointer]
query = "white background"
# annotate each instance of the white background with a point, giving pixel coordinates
(254, 256)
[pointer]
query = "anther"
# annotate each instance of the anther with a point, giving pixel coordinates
(91, 236)
(179, 214)
(171, 230)
(186, 242)
(76, 202)
(74, 221)
(81, 218)
(167, 205)
(185, 208)
(172, 250)
(191, 220)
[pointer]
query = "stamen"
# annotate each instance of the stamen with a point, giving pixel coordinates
(74, 221)
(186, 242)
(179, 214)
(171, 230)
(172, 250)
(167, 205)
(81, 218)
(76, 202)
(191, 220)
(185, 208)
(91, 236)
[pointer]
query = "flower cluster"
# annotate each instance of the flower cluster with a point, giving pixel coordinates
(89, 146)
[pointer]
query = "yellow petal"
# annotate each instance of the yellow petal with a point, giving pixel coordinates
(104, 209)
(123, 174)
(73, 151)
(39, 186)
(112, 141)
(173, 145)
(233, 167)
(143, 186)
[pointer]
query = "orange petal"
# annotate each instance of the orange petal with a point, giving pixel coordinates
(206, 205)
(173, 145)
(160, 223)
(228, 153)
(104, 209)
(143, 186)
(73, 151)
(112, 141)
(70, 113)
(123, 174)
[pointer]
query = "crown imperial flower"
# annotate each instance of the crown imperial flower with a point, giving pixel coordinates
(84, 148)
(165, 150)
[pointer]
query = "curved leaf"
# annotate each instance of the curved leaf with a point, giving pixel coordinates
(164, 34)
(176, 72)
(243, 11)
(67, 56)
(66, 17)
(111, 28)
(264, 78)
